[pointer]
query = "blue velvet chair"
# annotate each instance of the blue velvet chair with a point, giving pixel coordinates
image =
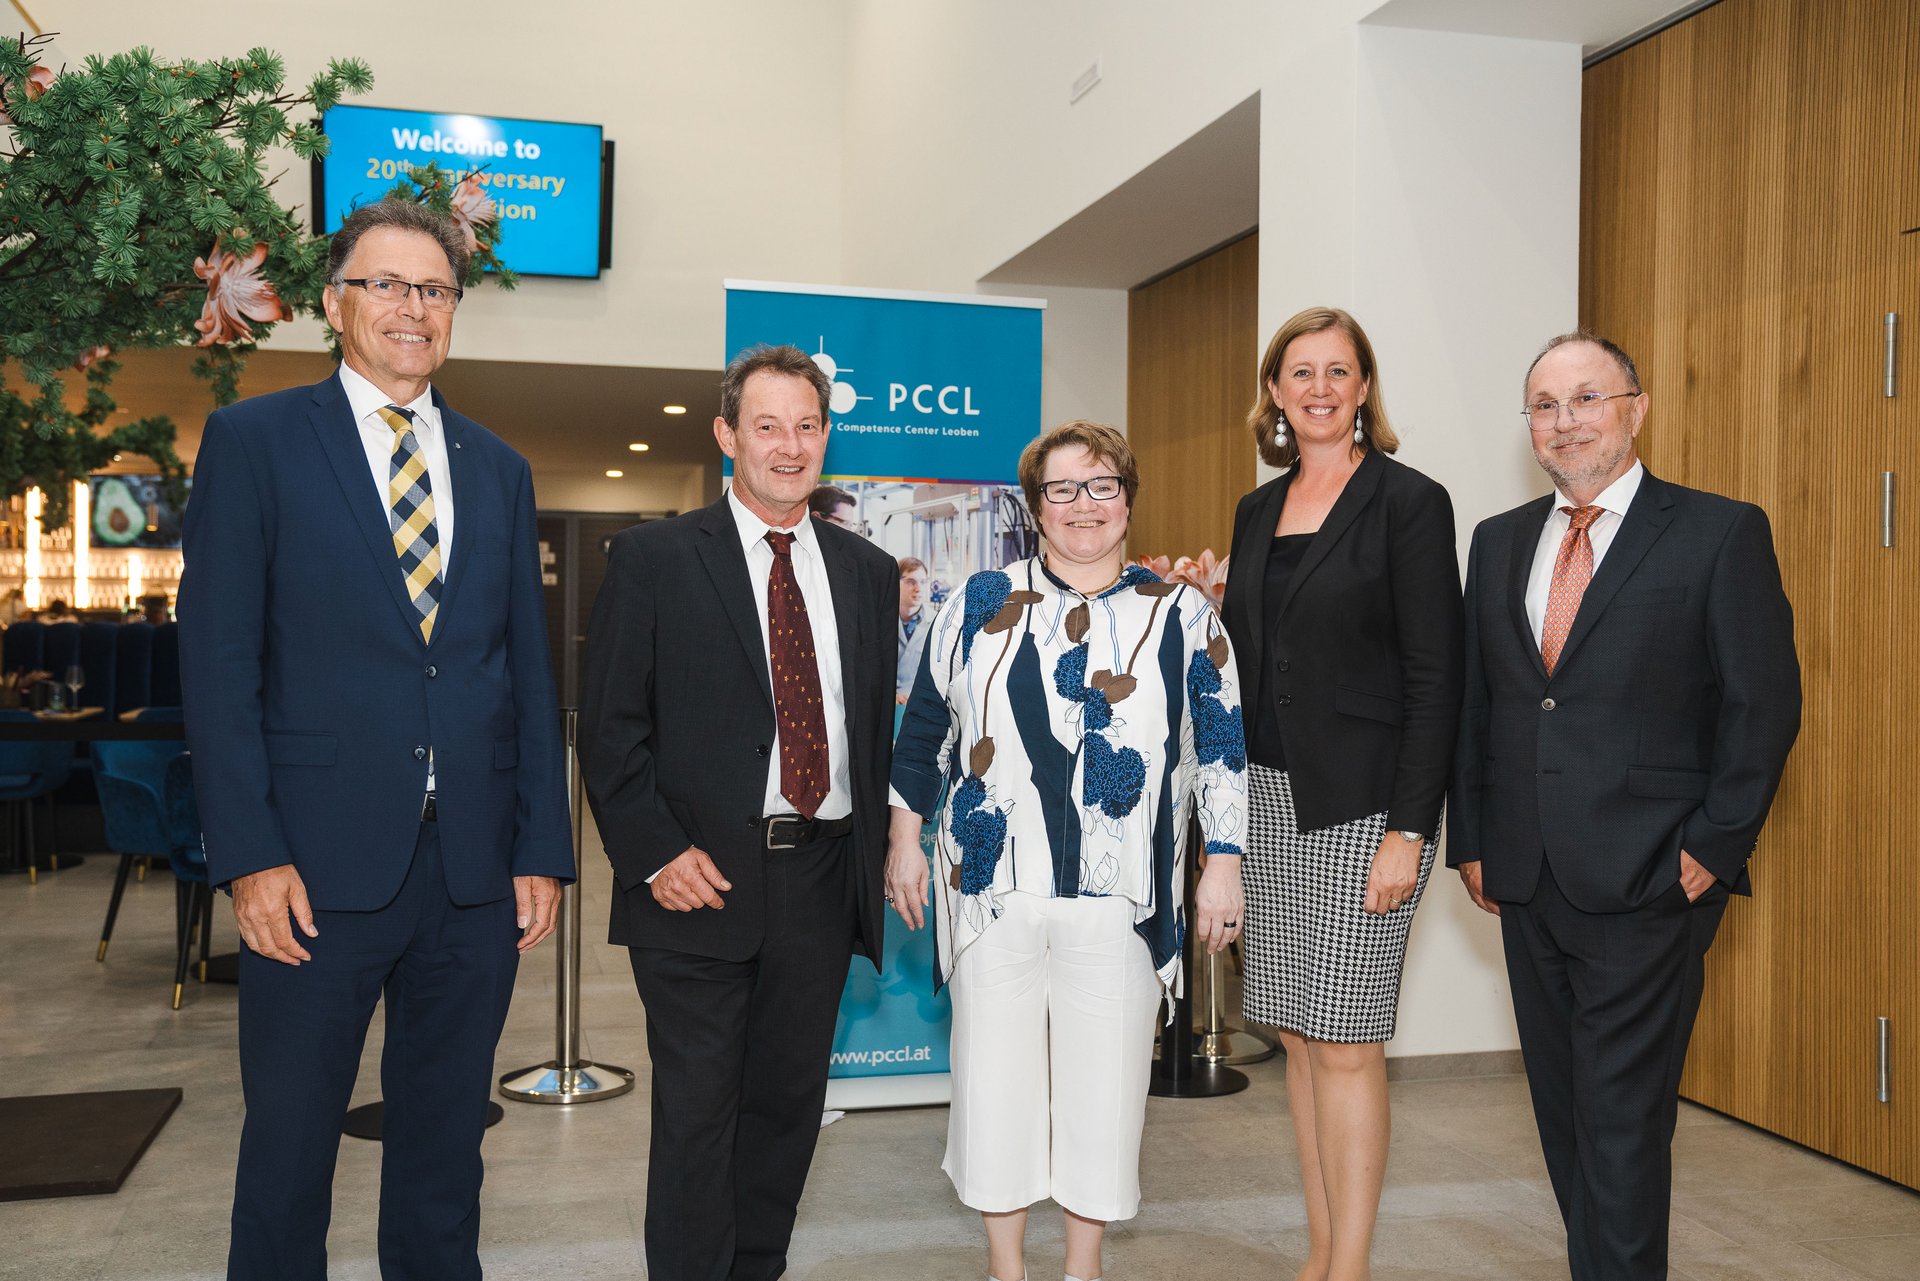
(28, 771)
(133, 667)
(99, 644)
(61, 649)
(187, 854)
(132, 780)
(21, 649)
(129, 857)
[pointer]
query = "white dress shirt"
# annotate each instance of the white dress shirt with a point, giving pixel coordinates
(376, 438)
(366, 401)
(810, 572)
(1614, 500)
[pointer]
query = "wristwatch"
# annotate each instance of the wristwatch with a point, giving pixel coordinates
(1418, 838)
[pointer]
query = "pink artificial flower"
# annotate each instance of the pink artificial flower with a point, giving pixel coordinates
(39, 80)
(90, 355)
(1206, 575)
(471, 207)
(235, 295)
(1158, 564)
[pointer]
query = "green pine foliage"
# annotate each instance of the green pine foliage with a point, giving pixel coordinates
(115, 177)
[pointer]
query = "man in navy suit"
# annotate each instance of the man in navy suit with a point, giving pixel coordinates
(1632, 693)
(371, 712)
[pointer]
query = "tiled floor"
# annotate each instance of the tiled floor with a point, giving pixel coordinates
(1466, 1193)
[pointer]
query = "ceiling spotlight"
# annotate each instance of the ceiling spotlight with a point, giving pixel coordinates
(673, 409)
(614, 473)
(639, 447)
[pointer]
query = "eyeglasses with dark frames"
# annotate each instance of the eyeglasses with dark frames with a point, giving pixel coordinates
(1100, 488)
(387, 289)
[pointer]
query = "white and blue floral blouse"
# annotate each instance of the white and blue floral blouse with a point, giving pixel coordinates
(1072, 737)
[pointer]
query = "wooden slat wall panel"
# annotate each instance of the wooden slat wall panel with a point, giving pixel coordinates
(1740, 190)
(1192, 360)
(1903, 966)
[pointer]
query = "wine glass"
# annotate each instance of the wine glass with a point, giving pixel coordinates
(76, 677)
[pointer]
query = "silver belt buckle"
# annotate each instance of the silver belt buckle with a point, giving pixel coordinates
(783, 821)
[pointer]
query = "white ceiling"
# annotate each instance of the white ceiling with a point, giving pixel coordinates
(1591, 24)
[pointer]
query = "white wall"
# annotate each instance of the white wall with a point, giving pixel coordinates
(726, 115)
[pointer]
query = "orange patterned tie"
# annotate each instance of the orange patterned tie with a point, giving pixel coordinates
(1572, 570)
(805, 779)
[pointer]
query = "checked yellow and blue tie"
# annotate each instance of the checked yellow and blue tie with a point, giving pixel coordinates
(416, 535)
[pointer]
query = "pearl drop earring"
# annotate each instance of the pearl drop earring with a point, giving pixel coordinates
(1280, 431)
(1359, 432)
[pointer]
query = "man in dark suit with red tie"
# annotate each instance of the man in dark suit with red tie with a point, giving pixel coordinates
(376, 752)
(737, 711)
(1632, 694)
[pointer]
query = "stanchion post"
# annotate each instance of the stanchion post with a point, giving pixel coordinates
(1180, 1073)
(568, 1078)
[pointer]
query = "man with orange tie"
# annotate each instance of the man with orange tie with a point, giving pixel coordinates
(1632, 694)
(737, 717)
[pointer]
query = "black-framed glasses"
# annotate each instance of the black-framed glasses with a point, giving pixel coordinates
(1098, 487)
(386, 289)
(1541, 415)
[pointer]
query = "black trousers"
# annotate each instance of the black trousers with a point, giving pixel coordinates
(1605, 1005)
(739, 1052)
(446, 973)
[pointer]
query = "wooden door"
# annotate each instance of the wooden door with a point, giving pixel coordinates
(1740, 191)
(1902, 1105)
(1192, 365)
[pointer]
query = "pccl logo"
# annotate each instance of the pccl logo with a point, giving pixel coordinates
(952, 400)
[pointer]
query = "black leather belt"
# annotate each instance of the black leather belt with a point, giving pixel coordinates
(788, 831)
(428, 811)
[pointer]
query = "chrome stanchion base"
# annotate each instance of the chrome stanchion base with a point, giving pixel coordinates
(1234, 1046)
(551, 1083)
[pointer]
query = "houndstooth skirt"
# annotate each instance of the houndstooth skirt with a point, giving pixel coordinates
(1316, 963)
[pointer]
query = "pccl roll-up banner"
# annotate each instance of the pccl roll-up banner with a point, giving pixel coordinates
(934, 397)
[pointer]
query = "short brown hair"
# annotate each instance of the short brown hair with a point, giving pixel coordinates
(910, 563)
(405, 215)
(1264, 417)
(784, 359)
(1103, 442)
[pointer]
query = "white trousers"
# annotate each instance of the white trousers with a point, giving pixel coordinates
(1053, 1016)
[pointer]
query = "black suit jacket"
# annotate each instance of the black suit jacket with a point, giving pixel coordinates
(677, 722)
(1664, 727)
(1364, 670)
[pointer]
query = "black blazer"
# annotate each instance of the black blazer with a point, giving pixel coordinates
(1364, 671)
(677, 721)
(1664, 727)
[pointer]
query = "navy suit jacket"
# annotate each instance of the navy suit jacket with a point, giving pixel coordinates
(1665, 726)
(311, 699)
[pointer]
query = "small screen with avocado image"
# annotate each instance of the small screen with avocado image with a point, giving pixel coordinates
(133, 511)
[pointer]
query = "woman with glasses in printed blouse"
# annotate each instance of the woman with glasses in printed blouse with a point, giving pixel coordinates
(1073, 711)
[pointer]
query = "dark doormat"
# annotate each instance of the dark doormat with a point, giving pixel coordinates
(77, 1144)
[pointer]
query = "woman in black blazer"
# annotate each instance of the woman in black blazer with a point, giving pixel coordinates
(1343, 607)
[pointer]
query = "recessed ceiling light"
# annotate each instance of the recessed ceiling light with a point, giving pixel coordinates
(614, 473)
(673, 409)
(639, 447)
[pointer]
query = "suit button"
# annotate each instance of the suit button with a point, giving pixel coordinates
(1284, 700)
(753, 820)
(419, 753)
(760, 750)
(1283, 665)
(432, 671)
(1547, 704)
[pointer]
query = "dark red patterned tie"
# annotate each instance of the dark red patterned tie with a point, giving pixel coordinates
(797, 706)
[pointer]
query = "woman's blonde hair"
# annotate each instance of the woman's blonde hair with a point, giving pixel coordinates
(1264, 417)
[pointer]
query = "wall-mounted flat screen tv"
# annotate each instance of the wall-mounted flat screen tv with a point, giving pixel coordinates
(551, 184)
(133, 511)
